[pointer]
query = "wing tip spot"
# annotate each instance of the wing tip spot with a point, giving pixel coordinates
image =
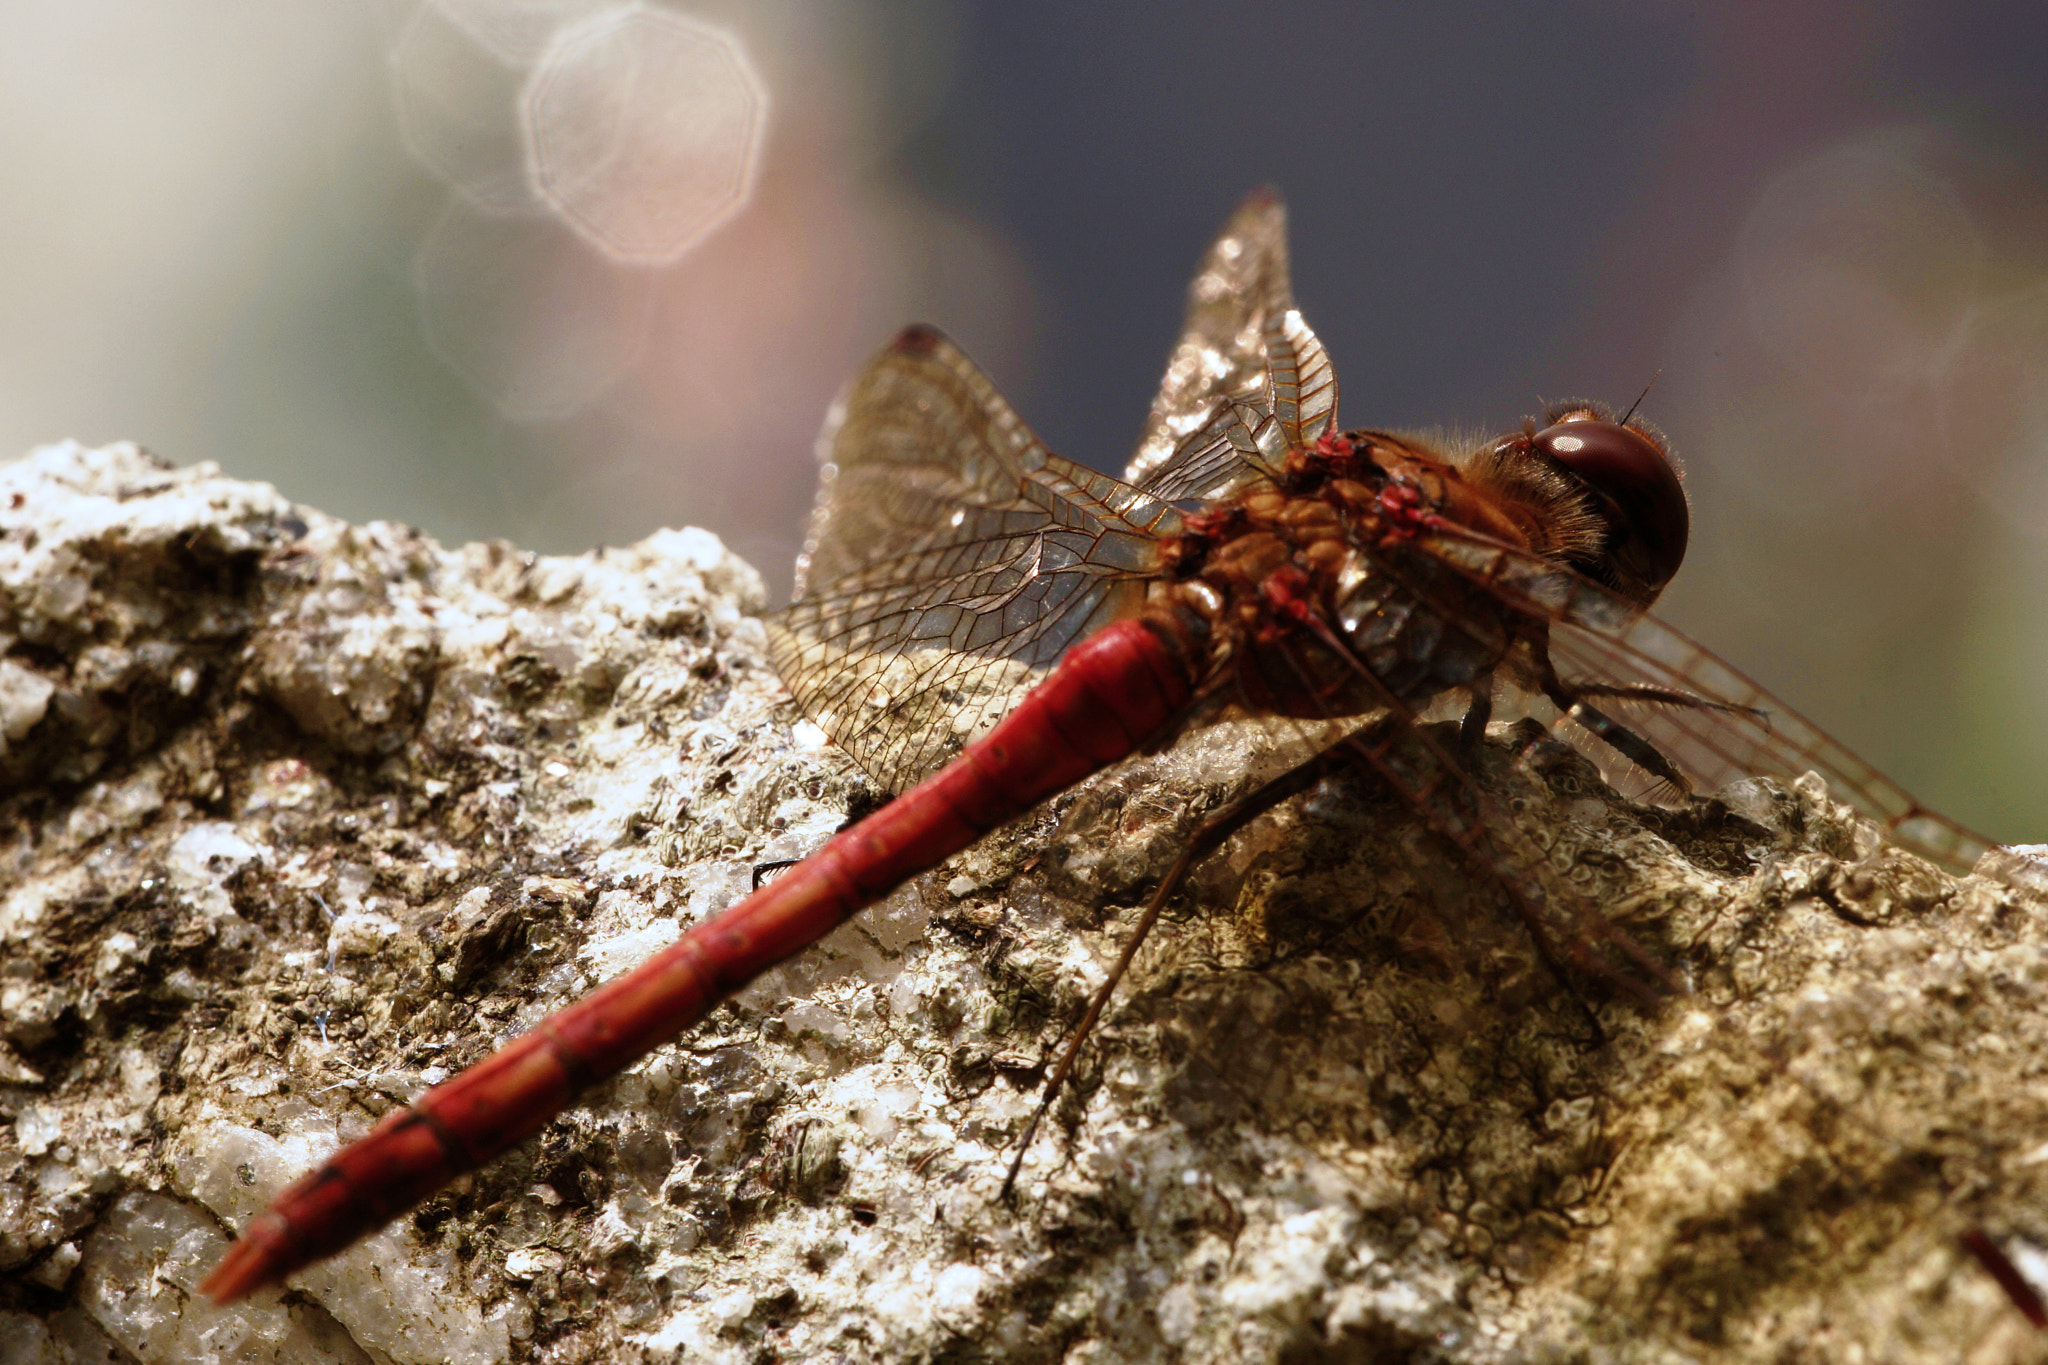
(919, 338)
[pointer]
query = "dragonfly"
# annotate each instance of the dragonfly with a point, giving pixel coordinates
(981, 625)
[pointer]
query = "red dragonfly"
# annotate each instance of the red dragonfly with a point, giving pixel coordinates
(981, 624)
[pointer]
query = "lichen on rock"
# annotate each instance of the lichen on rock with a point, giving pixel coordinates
(298, 818)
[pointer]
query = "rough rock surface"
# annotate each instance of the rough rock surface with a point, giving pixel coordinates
(297, 817)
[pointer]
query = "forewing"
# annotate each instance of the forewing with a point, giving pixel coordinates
(951, 560)
(1244, 344)
(1736, 729)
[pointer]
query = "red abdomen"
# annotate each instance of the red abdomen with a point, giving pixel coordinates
(1108, 695)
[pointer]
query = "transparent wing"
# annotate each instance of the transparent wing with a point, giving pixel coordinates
(1713, 724)
(1240, 442)
(951, 560)
(1245, 356)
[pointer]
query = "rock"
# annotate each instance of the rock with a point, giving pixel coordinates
(301, 817)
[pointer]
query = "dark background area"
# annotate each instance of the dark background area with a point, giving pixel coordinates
(1487, 204)
(1823, 230)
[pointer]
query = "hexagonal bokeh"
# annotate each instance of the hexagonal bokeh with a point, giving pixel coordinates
(517, 31)
(517, 305)
(456, 106)
(644, 130)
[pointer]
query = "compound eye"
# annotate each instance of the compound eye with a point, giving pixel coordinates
(1637, 492)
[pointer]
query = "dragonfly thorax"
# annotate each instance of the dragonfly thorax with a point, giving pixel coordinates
(1314, 606)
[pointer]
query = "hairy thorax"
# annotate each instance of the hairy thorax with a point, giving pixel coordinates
(1321, 556)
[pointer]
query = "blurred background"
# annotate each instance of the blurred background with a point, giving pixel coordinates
(563, 272)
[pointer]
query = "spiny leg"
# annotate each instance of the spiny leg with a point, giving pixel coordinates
(1479, 830)
(1575, 700)
(1203, 840)
(1455, 810)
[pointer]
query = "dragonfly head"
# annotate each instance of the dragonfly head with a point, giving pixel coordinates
(1628, 473)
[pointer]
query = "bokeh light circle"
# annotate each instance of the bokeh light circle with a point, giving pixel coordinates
(537, 324)
(643, 130)
(517, 31)
(456, 100)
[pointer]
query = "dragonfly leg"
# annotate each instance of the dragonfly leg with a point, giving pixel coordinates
(1203, 840)
(765, 871)
(1457, 808)
(1471, 821)
(864, 804)
(1575, 700)
(1472, 728)
(1628, 744)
